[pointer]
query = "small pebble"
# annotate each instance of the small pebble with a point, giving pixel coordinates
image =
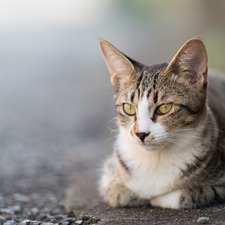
(7, 211)
(84, 217)
(10, 217)
(78, 222)
(58, 216)
(49, 224)
(55, 211)
(71, 214)
(33, 222)
(203, 220)
(53, 199)
(94, 219)
(15, 208)
(2, 219)
(67, 221)
(21, 198)
(50, 216)
(34, 211)
(10, 222)
(25, 222)
(42, 216)
(52, 220)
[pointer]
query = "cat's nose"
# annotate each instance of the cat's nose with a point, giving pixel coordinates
(142, 136)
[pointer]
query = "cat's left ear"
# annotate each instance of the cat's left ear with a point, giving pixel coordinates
(119, 66)
(191, 62)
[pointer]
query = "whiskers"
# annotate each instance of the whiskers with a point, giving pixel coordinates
(160, 140)
(113, 130)
(114, 119)
(175, 139)
(185, 138)
(114, 137)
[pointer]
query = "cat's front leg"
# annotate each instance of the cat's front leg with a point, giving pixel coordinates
(190, 198)
(112, 185)
(120, 196)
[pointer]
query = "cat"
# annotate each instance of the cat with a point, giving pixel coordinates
(170, 150)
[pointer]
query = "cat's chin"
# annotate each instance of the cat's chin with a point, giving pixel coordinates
(148, 146)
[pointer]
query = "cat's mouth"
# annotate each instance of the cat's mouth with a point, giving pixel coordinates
(148, 145)
(151, 142)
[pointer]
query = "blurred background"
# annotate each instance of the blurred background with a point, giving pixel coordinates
(56, 101)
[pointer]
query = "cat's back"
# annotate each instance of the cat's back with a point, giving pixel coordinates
(216, 98)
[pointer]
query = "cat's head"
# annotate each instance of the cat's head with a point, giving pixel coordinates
(155, 104)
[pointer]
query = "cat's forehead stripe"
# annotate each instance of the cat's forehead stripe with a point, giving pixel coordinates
(155, 79)
(132, 97)
(139, 80)
(138, 93)
(155, 96)
(149, 92)
(149, 77)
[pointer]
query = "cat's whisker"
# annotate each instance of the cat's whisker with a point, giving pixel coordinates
(114, 118)
(176, 141)
(161, 145)
(157, 137)
(208, 142)
(113, 130)
(112, 138)
(173, 142)
(207, 126)
(192, 136)
(189, 135)
(181, 130)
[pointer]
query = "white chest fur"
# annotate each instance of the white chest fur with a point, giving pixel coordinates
(153, 173)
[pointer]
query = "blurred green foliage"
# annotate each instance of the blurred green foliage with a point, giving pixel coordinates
(180, 20)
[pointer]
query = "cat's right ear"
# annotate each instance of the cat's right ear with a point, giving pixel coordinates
(119, 66)
(190, 62)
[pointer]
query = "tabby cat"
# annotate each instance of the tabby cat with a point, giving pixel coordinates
(170, 150)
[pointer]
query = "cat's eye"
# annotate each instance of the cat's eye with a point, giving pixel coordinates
(164, 108)
(129, 109)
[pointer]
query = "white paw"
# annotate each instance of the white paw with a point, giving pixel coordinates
(169, 200)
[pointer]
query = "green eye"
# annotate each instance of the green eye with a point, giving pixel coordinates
(164, 108)
(129, 109)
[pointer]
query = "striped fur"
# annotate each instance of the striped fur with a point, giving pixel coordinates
(172, 160)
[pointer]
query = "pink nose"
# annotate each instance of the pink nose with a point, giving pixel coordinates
(142, 136)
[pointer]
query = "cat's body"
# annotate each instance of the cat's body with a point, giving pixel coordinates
(170, 151)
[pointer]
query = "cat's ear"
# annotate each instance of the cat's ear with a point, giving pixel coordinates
(191, 62)
(119, 66)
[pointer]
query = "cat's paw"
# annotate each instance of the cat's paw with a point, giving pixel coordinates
(169, 200)
(120, 196)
